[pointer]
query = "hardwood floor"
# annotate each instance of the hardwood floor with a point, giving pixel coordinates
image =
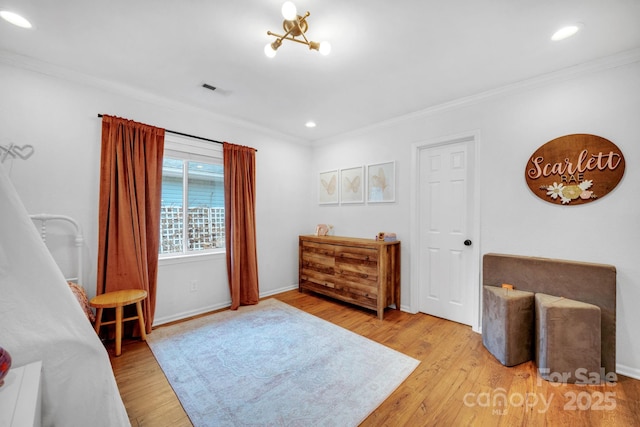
(458, 382)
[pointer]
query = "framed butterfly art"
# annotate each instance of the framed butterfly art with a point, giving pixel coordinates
(381, 182)
(328, 188)
(352, 185)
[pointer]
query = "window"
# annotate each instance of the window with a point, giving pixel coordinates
(192, 206)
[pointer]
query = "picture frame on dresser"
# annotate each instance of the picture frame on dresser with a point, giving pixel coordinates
(381, 182)
(352, 185)
(328, 188)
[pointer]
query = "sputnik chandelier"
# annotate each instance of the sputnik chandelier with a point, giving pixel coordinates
(294, 26)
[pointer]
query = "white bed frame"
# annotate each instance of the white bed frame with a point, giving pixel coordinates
(43, 218)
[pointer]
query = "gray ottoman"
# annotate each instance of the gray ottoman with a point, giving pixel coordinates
(508, 324)
(568, 339)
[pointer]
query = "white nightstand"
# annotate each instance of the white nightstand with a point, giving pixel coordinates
(20, 400)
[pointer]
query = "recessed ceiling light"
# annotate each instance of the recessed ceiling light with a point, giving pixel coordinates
(15, 19)
(565, 32)
(310, 124)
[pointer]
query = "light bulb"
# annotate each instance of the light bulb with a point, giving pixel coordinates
(15, 19)
(565, 32)
(269, 51)
(325, 48)
(289, 11)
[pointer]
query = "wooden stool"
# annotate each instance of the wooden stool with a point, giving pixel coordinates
(118, 300)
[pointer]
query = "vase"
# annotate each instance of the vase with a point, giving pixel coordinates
(5, 364)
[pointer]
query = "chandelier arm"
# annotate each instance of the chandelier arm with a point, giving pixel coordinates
(299, 25)
(281, 37)
(304, 42)
(287, 37)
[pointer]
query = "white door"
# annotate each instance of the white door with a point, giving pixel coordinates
(445, 221)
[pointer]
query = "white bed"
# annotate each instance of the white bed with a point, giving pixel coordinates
(40, 319)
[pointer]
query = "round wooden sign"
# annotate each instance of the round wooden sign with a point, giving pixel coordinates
(574, 169)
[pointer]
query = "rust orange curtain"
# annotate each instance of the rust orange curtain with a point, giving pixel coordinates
(129, 215)
(240, 224)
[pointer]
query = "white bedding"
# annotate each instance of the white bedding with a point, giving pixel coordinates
(41, 320)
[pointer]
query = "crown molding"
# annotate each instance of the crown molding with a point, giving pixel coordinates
(608, 62)
(51, 70)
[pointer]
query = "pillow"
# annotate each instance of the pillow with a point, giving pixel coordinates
(81, 296)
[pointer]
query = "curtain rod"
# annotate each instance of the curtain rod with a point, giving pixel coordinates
(188, 136)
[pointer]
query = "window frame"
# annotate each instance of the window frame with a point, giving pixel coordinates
(190, 150)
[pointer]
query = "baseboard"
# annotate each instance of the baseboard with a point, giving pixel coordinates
(406, 309)
(278, 291)
(202, 310)
(628, 371)
(185, 314)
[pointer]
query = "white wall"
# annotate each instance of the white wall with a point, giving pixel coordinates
(58, 117)
(512, 124)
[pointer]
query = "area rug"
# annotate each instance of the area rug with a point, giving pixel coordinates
(274, 365)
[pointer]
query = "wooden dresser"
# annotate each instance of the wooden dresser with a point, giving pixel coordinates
(364, 272)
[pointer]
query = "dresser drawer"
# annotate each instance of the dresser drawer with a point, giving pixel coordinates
(318, 248)
(317, 278)
(356, 254)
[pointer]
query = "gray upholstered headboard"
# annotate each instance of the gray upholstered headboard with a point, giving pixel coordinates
(587, 282)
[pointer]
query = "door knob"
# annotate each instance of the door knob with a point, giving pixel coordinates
(467, 242)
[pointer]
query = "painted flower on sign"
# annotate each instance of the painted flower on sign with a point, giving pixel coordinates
(555, 190)
(567, 193)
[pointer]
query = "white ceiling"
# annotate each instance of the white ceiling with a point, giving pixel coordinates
(389, 58)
